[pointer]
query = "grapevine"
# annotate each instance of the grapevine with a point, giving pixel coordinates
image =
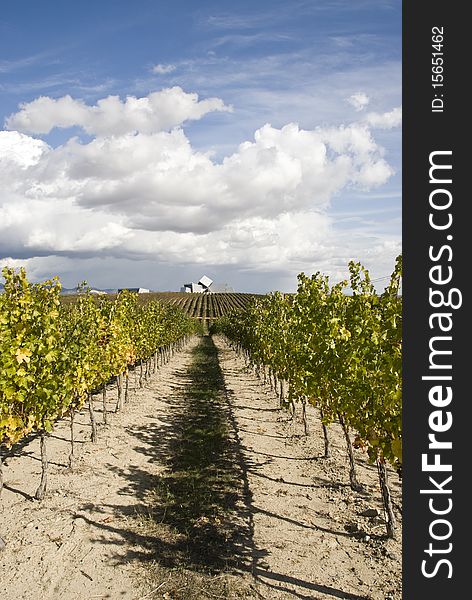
(53, 356)
(337, 347)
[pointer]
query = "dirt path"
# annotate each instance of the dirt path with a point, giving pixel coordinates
(78, 543)
(200, 488)
(310, 539)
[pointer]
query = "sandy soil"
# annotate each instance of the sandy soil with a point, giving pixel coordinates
(310, 538)
(294, 527)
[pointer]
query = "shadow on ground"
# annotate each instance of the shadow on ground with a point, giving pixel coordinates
(202, 497)
(196, 515)
(192, 525)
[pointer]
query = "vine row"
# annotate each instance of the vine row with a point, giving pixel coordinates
(338, 348)
(54, 355)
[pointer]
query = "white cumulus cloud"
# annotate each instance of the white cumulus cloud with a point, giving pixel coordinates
(163, 69)
(17, 149)
(139, 190)
(159, 111)
(386, 120)
(359, 100)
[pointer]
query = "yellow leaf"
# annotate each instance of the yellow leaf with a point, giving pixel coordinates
(23, 355)
(397, 448)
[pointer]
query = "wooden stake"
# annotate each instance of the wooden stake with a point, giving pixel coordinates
(305, 422)
(126, 387)
(355, 485)
(327, 450)
(386, 498)
(104, 399)
(41, 491)
(71, 455)
(119, 387)
(93, 422)
(1, 471)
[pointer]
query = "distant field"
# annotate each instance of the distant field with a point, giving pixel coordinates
(205, 306)
(197, 305)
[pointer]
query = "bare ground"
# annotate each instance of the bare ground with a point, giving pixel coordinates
(200, 488)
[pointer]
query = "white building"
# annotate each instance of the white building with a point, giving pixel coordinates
(137, 290)
(202, 287)
(205, 282)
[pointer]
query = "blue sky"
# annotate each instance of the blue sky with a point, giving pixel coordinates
(332, 67)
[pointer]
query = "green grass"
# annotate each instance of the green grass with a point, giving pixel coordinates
(198, 512)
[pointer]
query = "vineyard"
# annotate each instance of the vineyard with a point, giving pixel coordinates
(206, 306)
(250, 462)
(52, 357)
(202, 306)
(339, 352)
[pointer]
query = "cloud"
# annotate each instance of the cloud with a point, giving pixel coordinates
(158, 182)
(138, 191)
(359, 101)
(160, 69)
(386, 120)
(19, 150)
(8, 66)
(245, 40)
(158, 111)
